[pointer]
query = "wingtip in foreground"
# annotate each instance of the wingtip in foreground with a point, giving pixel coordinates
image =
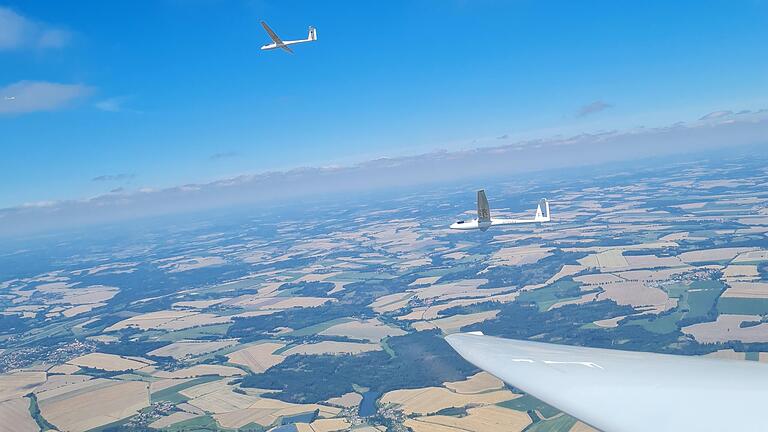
(626, 391)
(485, 221)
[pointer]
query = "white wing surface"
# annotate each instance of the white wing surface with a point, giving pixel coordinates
(623, 391)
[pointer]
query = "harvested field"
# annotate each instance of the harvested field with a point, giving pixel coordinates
(747, 290)
(433, 399)
(66, 369)
(17, 384)
(332, 347)
(760, 255)
(638, 295)
(391, 302)
(566, 270)
(372, 330)
(258, 358)
(515, 256)
(609, 259)
(478, 383)
(735, 272)
(185, 349)
(169, 420)
(453, 323)
(329, 425)
(347, 400)
(268, 411)
(15, 416)
(727, 328)
(108, 362)
(93, 403)
(200, 370)
(708, 255)
(481, 419)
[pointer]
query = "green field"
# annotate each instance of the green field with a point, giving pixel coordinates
(561, 423)
(742, 306)
(551, 294)
(529, 403)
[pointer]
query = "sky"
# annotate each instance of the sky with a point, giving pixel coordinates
(100, 98)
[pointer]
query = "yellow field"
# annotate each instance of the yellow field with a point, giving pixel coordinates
(372, 330)
(481, 419)
(747, 290)
(478, 383)
(332, 347)
(581, 427)
(347, 400)
(326, 425)
(258, 358)
(433, 399)
(268, 411)
(184, 349)
(108, 362)
(453, 323)
(93, 403)
(15, 417)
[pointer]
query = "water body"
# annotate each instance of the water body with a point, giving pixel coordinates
(368, 404)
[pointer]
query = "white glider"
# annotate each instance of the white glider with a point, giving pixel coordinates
(279, 43)
(623, 391)
(10, 98)
(484, 220)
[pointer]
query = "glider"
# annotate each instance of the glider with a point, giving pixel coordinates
(625, 391)
(484, 220)
(279, 43)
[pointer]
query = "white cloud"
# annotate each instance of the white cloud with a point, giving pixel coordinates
(32, 96)
(18, 32)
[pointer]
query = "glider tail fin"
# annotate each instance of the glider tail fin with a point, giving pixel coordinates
(312, 34)
(542, 211)
(483, 210)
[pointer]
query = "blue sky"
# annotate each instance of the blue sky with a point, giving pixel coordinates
(162, 93)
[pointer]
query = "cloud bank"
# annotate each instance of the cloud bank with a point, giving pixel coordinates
(33, 96)
(727, 131)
